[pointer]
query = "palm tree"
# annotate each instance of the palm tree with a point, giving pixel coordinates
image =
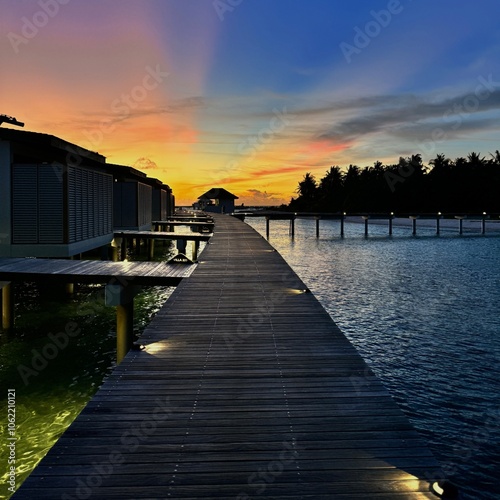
(475, 159)
(496, 157)
(307, 190)
(330, 190)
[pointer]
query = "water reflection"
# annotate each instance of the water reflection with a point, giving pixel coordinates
(50, 393)
(423, 311)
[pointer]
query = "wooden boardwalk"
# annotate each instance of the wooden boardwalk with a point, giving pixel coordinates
(163, 235)
(246, 389)
(187, 222)
(93, 271)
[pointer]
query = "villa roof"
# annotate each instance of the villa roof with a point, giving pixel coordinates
(218, 194)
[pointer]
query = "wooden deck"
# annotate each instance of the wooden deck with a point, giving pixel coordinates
(176, 223)
(246, 389)
(163, 235)
(93, 271)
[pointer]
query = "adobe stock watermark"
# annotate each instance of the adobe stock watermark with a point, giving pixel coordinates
(41, 358)
(30, 28)
(263, 309)
(223, 6)
(453, 118)
(130, 440)
(372, 29)
(58, 342)
(267, 475)
(465, 448)
(122, 107)
(251, 145)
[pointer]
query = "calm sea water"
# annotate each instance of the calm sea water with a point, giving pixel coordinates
(48, 398)
(424, 313)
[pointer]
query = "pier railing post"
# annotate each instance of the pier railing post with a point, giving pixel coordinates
(366, 217)
(292, 226)
(438, 220)
(7, 305)
(483, 224)
(342, 220)
(391, 217)
(317, 225)
(267, 226)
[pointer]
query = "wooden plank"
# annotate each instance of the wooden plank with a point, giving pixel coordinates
(142, 273)
(243, 373)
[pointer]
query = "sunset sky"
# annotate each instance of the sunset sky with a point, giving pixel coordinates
(252, 94)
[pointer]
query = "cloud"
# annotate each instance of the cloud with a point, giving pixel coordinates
(145, 164)
(257, 197)
(403, 115)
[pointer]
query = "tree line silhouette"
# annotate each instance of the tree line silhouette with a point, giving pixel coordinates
(465, 185)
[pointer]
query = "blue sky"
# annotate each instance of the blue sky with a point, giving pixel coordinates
(258, 91)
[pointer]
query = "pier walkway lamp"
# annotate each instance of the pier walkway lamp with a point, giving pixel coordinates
(445, 489)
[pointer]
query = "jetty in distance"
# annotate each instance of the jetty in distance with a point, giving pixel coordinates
(483, 221)
(245, 388)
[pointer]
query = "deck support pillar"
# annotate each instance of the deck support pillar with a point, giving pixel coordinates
(267, 226)
(123, 298)
(366, 225)
(196, 249)
(181, 246)
(104, 253)
(115, 244)
(124, 330)
(317, 226)
(413, 225)
(342, 220)
(292, 227)
(391, 217)
(483, 224)
(123, 255)
(151, 248)
(69, 288)
(7, 305)
(460, 224)
(438, 221)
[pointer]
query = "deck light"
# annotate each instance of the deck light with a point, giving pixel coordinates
(445, 489)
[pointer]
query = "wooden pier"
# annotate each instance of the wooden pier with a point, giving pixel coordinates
(122, 239)
(480, 219)
(123, 282)
(246, 389)
(93, 271)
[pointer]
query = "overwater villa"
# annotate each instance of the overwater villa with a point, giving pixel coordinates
(58, 199)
